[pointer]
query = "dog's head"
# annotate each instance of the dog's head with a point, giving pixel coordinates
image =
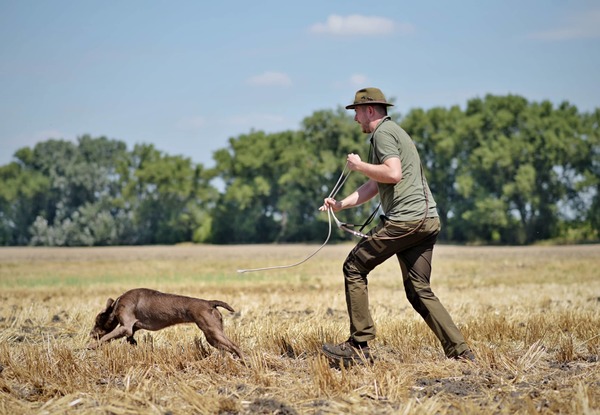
(105, 321)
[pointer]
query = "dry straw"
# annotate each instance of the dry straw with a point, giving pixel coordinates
(530, 314)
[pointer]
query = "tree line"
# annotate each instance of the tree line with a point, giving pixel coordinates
(502, 170)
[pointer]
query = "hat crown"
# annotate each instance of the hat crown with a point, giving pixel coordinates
(369, 96)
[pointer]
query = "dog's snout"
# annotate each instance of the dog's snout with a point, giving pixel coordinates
(97, 332)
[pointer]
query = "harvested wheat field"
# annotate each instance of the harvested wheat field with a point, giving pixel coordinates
(530, 314)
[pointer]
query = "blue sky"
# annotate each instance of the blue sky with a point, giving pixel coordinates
(188, 75)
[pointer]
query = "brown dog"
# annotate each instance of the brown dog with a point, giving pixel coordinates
(146, 309)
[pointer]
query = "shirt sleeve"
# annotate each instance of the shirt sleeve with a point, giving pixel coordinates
(385, 145)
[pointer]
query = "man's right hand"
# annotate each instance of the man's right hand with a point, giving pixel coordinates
(331, 203)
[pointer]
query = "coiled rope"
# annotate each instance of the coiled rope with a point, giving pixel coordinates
(347, 227)
(339, 184)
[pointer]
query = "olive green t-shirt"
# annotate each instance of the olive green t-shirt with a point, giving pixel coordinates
(405, 200)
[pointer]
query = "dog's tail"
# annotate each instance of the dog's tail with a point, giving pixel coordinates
(217, 303)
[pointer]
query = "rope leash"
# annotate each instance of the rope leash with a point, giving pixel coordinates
(347, 227)
(338, 185)
(241, 271)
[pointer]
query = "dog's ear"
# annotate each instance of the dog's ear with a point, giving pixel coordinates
(109, 304)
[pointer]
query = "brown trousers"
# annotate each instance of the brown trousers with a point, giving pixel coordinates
(414, 252)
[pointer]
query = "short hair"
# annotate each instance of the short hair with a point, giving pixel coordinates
(381, 108)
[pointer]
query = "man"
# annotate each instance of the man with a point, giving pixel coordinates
(408, 229)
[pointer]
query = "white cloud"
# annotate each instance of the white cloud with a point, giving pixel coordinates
(257, 121)
(359, 25)
(270, 78)
(191, 123)
(579, 26)
(359, 80)
(356, 80)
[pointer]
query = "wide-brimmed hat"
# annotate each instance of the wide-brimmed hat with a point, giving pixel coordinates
(369, 96)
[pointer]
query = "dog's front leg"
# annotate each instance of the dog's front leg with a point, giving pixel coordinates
(130, 339)
(117, 333)
(120, 331)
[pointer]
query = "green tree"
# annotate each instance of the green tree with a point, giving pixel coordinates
(274, 183)
(84, 183)
(330, 137)
(439, 134)
(250, 168)
(169, 198)
(588, 187)
(503, 170)
(524, 164)
(23, 194)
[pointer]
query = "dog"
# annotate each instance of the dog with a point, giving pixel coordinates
(146, 309)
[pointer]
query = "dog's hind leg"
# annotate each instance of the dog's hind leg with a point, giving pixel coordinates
(217, 339)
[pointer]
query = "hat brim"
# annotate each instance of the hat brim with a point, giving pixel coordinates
(358, 104)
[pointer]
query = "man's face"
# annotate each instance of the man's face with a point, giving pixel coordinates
(361, 117)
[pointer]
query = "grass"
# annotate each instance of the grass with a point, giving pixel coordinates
(530, 314)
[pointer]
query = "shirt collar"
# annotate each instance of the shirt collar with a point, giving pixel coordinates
(384, 119)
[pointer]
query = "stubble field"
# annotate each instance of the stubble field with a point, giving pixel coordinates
(530, 314)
